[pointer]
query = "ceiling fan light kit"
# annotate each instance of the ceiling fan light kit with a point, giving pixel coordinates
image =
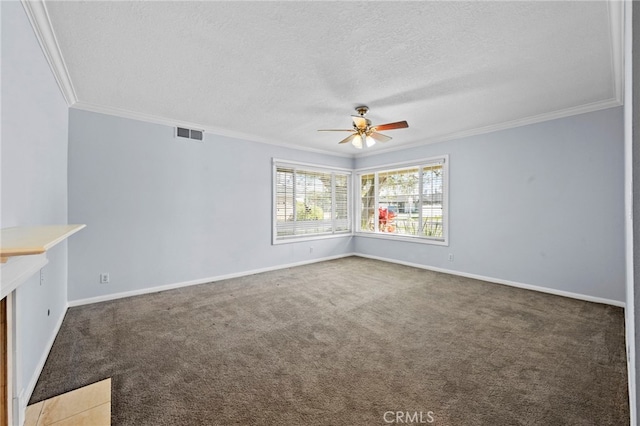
(364, 133)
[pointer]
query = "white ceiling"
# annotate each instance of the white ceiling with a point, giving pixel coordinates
(278, 71)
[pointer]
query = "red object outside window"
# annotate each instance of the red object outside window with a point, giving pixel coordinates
(386, 220)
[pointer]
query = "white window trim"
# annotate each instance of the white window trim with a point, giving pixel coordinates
(396, 166)
(311, 168)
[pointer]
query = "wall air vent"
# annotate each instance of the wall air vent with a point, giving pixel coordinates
(182, 132)
(197, 134)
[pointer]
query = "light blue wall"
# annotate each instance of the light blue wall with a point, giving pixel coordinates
(34, 180)
(541, 205)
(161, 210)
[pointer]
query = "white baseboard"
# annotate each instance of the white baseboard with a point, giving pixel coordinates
(26, 395)
(149, 290)
(121, 295)
(501, 281)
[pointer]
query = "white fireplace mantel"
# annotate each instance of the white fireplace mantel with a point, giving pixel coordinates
(23, 252)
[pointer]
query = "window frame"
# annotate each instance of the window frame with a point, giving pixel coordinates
(391, 167)
(313, 168)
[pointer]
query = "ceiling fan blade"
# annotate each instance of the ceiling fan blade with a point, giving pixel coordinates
(360, 122)
(348, 138)
(380, 137)
(336, 130)
(391, 126)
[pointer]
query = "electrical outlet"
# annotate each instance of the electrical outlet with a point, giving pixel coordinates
(450, 257)
(104, 278)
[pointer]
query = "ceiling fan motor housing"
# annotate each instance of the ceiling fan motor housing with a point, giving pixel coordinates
(362, 110)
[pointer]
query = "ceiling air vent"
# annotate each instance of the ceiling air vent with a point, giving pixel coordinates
(182, 132)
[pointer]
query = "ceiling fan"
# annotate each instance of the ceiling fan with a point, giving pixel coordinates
(364, 132)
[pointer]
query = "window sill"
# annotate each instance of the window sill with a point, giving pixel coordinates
(406, 238)
(311, 238)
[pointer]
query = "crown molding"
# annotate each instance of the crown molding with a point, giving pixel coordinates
(563, 113)
(150, 118)
(38, 16)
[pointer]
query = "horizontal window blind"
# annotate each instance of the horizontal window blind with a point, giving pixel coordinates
(310, 202)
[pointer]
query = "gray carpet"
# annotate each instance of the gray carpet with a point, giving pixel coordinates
(342, 343)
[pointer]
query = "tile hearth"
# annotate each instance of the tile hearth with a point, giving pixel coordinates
(89, 405)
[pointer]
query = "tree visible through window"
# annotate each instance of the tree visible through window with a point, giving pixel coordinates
(407, 201)
(310, 202)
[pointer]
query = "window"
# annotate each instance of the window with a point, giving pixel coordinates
(310, 202)
(408, 201)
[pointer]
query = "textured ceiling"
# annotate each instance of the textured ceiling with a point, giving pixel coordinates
(278, 71)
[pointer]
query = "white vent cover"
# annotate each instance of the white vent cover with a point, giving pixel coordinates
(183, 132)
